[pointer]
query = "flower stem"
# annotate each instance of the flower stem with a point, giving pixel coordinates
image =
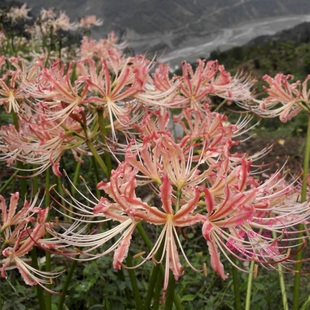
(134, 283)
(40, 293)
(66, 285)
(170, 292)
(98, 158)
(7, 183)
(301, 226)
(236, 286)
(48, 261)
(281, 279)
(151, 285)
(158, 289)
(249, 287)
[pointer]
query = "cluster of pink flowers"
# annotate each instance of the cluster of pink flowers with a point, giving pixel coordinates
(285, 100)
(166, 139)
(22, 230)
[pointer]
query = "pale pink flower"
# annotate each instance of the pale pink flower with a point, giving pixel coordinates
(16, 13)
(13, 94)
(56, 88)
(114, 92)
(107, 48)
(48, 14)
(63, 23)
(242, 215)
(41, 142)
(89, 21)
(20, 232)
(237, 213)
(48, 20)
(284, 99)
(210, 79)
(128, 209)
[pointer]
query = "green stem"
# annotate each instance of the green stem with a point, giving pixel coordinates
(282, 283)
(158, 289)
(134, 283)
(236, 286)
(40, 292)
(75, 178)
(48, 263)
(101, 124)
(155, 278)
(170, 292)
(7, 183)
(66, 285)
(151, 285)
(249, 287)
(220, 105)
(97, 157)
(301, 226)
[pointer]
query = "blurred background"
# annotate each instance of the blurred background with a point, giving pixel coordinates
(184, 29)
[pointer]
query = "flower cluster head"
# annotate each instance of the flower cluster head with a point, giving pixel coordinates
(49, 20)
(19, 13)
(21, 230)
(171, 185)
(175, 170)
(88, 22)
(285, 100)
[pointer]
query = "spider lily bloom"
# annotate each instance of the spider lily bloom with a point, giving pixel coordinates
(57, 90)
(160, 155)
(16, 13)
(246, 217)
(89, 21)
(20, 232)
(46, 14)
(49, 22)
(101, 49)
(211, 79)
(41, 141)
(113, 92)
(12, 86)
(205, 132)
(123, 207)
(284, 99)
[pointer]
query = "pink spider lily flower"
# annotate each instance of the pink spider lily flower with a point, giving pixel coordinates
(243, 216)
(284, 99)
(89, 21)
(63, 23)
(124, 207)
(50, 13)
(57, 90)
(20, 232)
(101, 49)
(211, 79)
(16, 13)
(113, 92)
(12, 86)
(160, 155)
(41, 142)
(171, 216)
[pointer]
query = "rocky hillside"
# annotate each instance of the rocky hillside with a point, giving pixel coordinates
(177, 16)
